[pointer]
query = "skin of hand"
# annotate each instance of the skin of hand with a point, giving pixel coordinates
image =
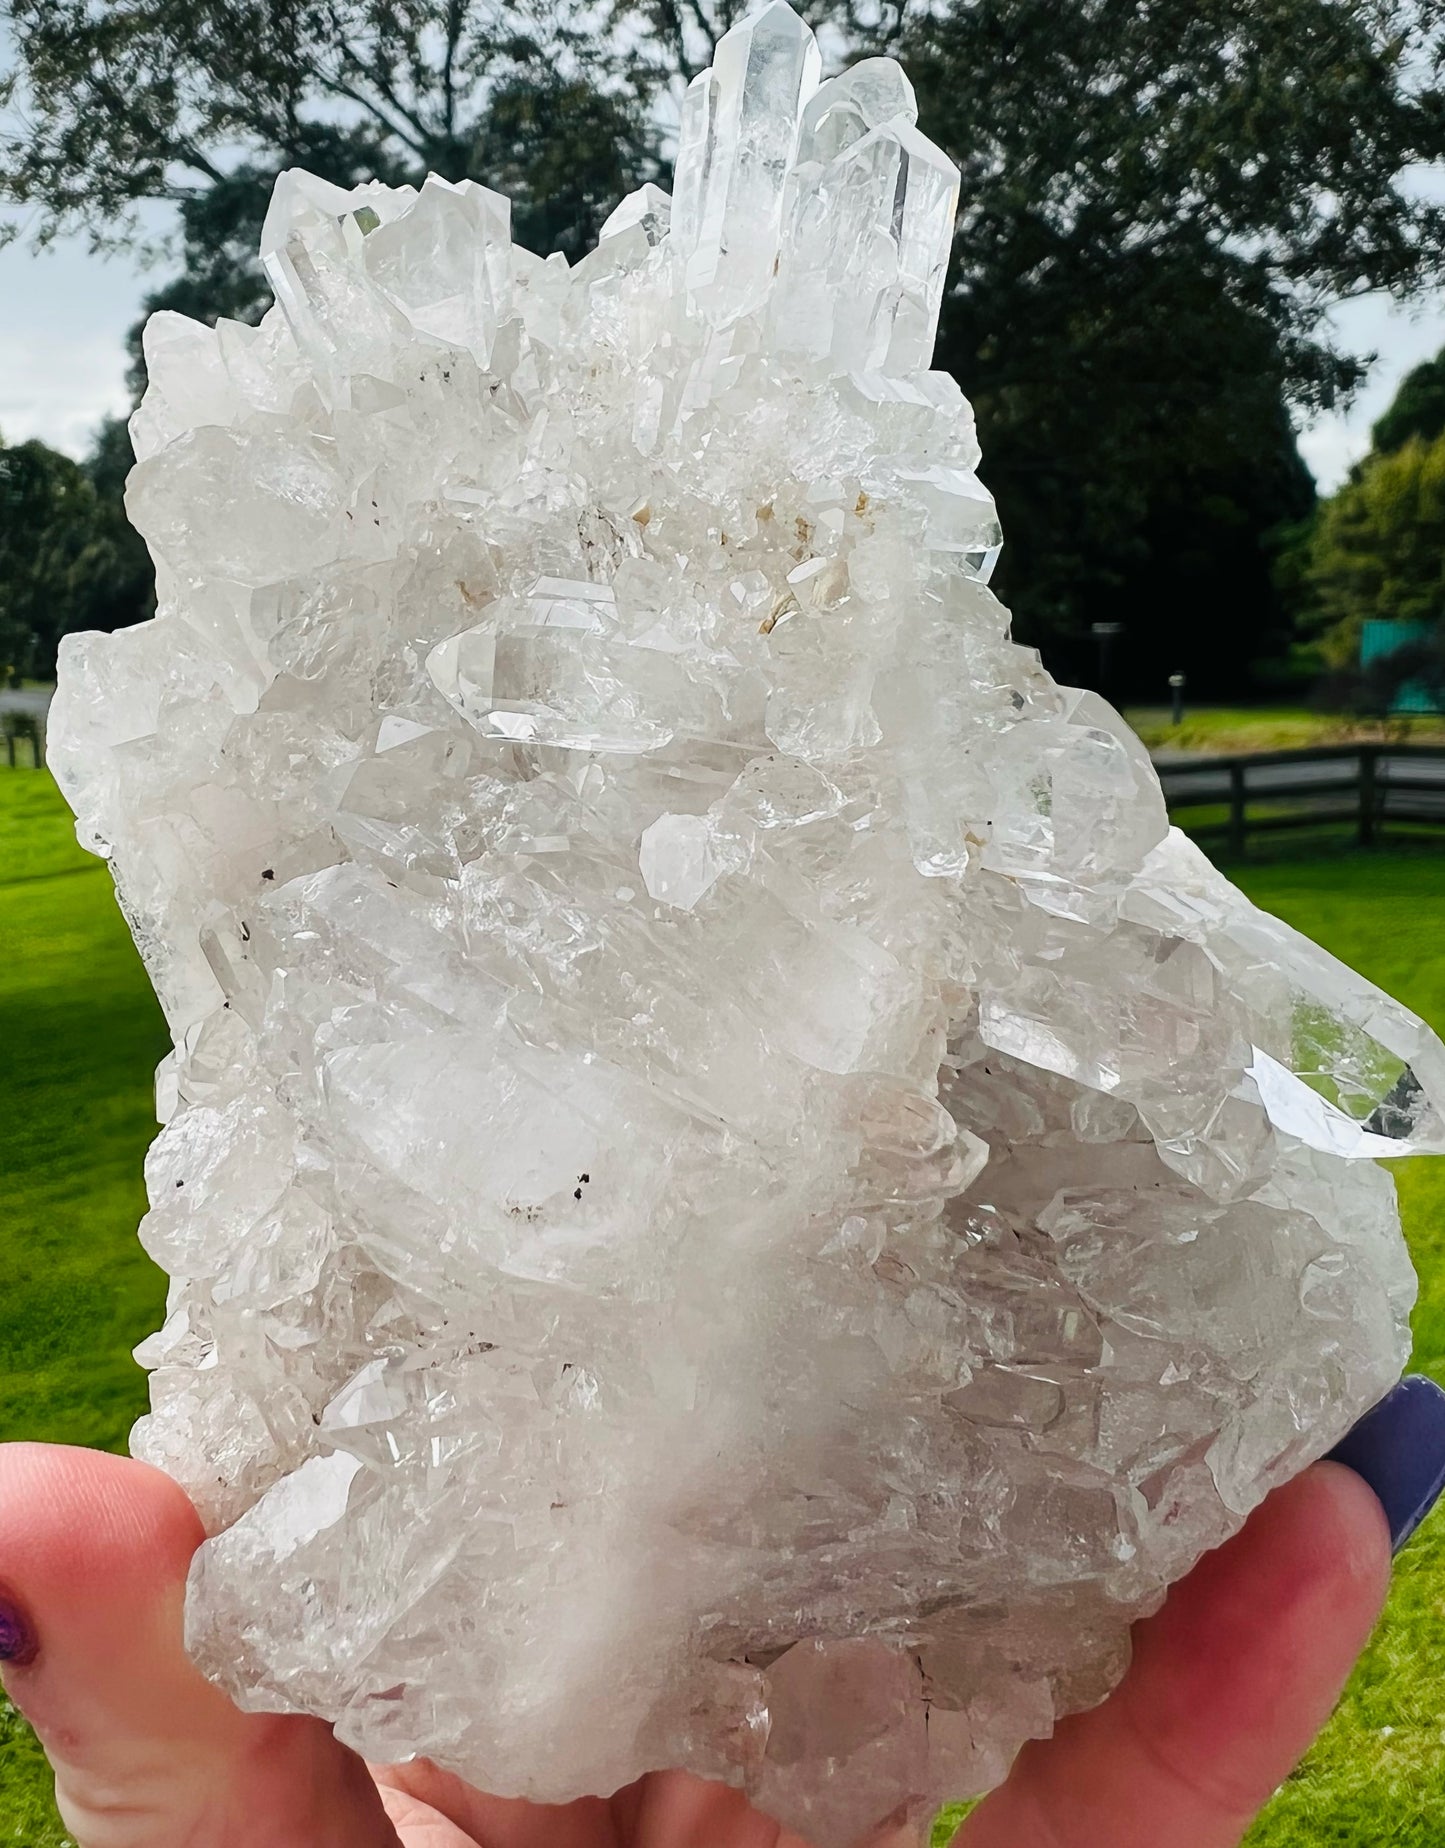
(1230, 1681)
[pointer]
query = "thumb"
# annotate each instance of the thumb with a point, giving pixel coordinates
(94, 1551)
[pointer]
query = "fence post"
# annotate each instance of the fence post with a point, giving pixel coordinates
(1236, 809)
(1369, 753)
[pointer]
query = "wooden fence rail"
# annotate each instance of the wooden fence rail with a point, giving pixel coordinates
(1365, 785)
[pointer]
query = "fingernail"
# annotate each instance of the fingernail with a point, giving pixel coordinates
(1399, 1449)
(18, 1644)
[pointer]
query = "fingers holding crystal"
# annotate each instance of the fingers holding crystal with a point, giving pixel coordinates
(717, 1174)
(94, 1552)
(1230, 1682)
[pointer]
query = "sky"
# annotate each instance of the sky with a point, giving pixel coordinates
(64, 316)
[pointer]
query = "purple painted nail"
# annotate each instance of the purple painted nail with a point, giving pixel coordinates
(1399, 1449)
(18, 1644)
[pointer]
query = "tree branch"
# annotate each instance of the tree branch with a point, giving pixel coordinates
(119, 110)
(706, 26)
(888, 34)
(337, 88)
(370, 74)
(670, 19)
(456, 16)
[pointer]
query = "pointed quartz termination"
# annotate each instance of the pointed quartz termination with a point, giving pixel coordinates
(1342, 1067)
(453, 281)
(310, 243)
(867, 95)
(650, 207)
(868, 227)
(736, 143)
(551, 672)
(446, 272)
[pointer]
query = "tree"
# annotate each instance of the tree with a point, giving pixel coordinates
(48, 557)
(69, 559)
(1160, 201)
(1378, 550)
(1140, 472)
(173, 99)
(1375, 551)
(122, 584)
(1418, 408)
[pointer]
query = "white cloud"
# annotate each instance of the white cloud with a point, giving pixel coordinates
(59, 387)
(1401, 337)
(64, 317)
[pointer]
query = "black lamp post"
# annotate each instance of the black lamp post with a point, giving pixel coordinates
(1106, 634)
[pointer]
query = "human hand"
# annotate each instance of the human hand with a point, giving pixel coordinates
(1230, 1681)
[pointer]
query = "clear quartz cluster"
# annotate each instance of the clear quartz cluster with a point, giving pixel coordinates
(735, 1197)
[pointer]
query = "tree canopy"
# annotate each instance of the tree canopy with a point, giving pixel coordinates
(1417, 409)
(1378, 550)
(1375, 551)
(67, 558)
(196, 101)
(1161, 199)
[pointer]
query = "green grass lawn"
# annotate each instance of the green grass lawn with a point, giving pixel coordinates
(1377, 1776)
(82, 1035)
(1270, 728)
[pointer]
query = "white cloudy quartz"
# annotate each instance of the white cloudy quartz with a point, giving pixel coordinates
(735, 1197)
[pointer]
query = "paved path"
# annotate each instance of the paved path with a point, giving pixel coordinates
(34, 702)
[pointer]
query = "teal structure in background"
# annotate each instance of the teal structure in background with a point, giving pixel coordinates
(1379, 639)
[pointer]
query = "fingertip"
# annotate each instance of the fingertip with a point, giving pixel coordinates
(1321, 1537)
(1247, 1657)
(1350, 1528)
(147, 1753)
(71, 1519)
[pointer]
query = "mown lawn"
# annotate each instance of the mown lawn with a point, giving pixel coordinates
(1377, 1776)
(1271, 728)
(81, 1036)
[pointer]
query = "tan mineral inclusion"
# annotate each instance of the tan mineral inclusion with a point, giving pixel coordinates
(735, 1197)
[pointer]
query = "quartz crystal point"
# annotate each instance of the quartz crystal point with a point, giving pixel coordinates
(735, 1197)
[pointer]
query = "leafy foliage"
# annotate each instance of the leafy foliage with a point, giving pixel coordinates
(199, 103)
(1160, 199)
(1377, 552)
(175, 99)
(1418, 408)
(122, 589)
(68, 560)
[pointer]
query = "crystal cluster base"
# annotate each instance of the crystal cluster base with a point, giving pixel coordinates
(735, 1197)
